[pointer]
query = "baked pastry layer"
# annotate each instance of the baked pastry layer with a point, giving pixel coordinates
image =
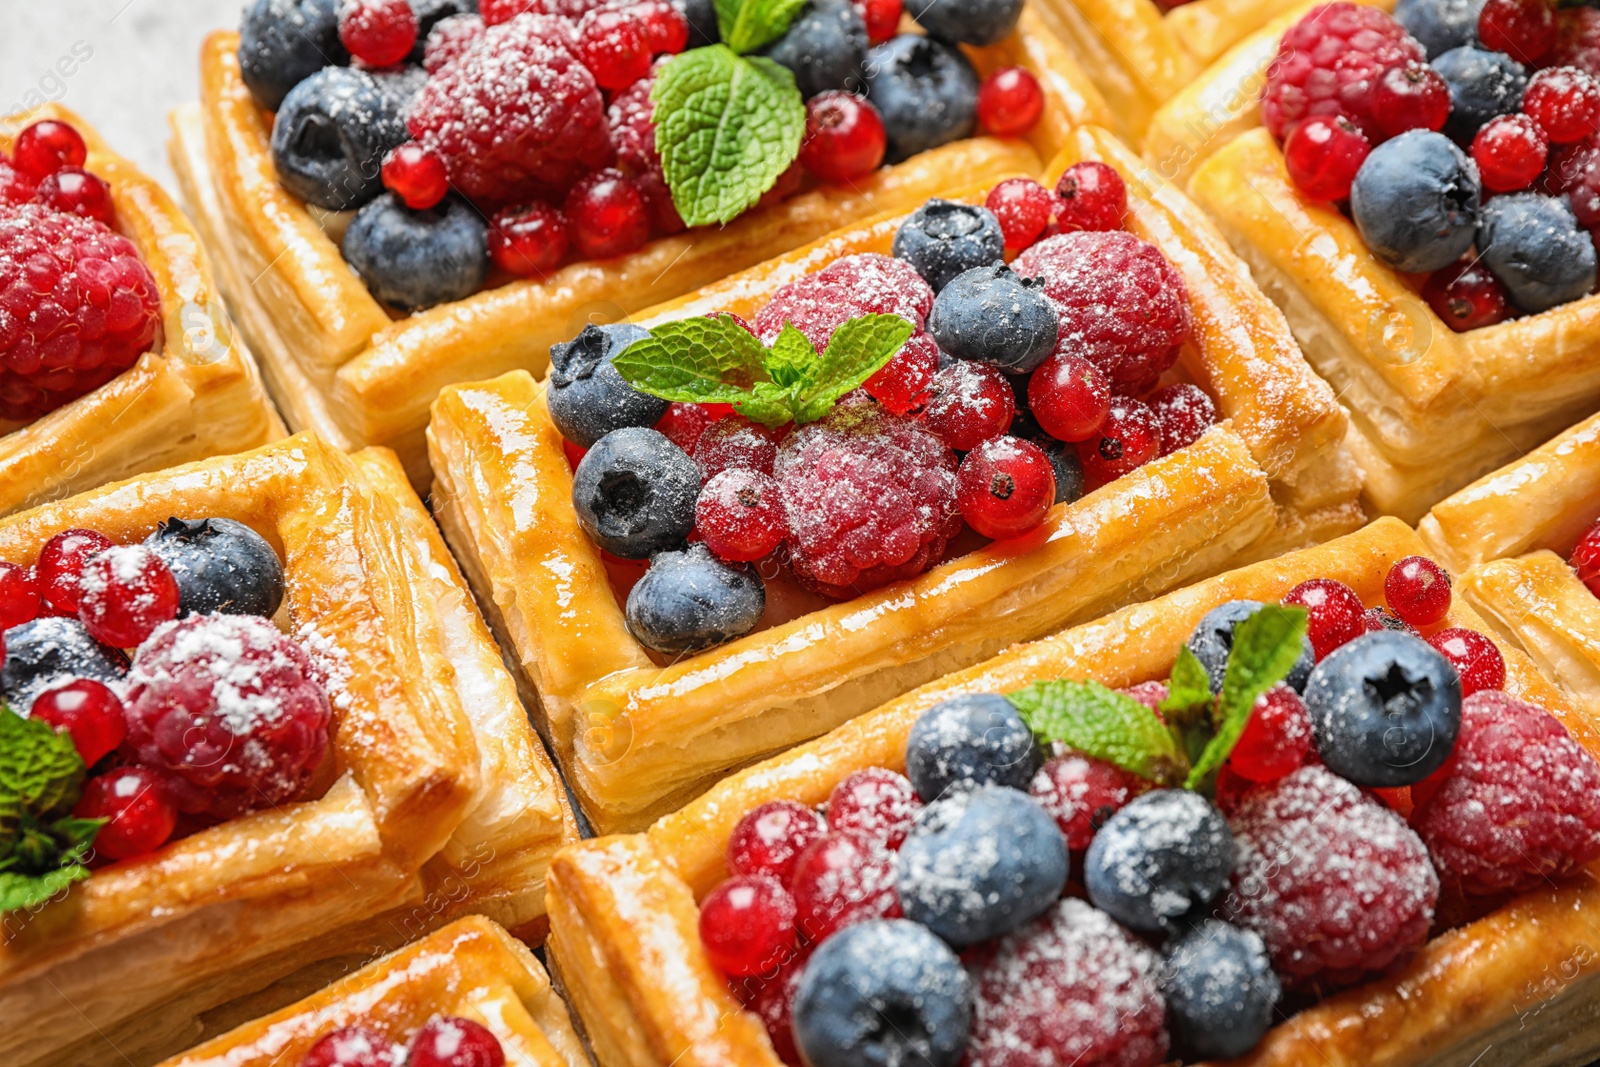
(197, 394)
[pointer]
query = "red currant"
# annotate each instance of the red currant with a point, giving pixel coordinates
(1092, 197)
(1005, 487)
(125, 593)
(882, 18)
(842, 880)
(353, 1046)
(1081, 794)
(901, 385)
(1466, 296)
(1418, 590)
(140, 815)
(60, 565)
(46, 147)
(415, 175)
(1585, 558)
(683, 424)
(771, 999)
(1276, 737)
(606, 215)
(1510, 151)
(1010, 102)
(969, 403)
(747, 924)
(1129, 438)
(1023, 208)
(664, 28)
(1412, 97)
(1380, 618)
(573, 452)
(876, 804)
(19, 595)
(75, 191)
(451, 1041)
(735, 444)
(529, 241)
(1069, 397)
(613, 48)
(380, 33)
(1334, 613)
(89, 711)
(845, 138)
(1565, 102)
(770, 839)
(1322, 155)
(740, 515)
(1524, 29)
(1185, 412)
(1476, 658)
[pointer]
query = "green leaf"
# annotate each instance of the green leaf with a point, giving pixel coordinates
(1265, 647)
(699, 360)
(41, 774)
(767, 403)
(1188, 705)
(857, 350)
(1101, 723)
(792, 357)
(746, 25)
(726, 127)
(20, 891)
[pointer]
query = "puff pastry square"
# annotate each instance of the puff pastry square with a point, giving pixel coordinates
(624, 940)
(437, 798)
(197, 394)
(636, 737)
(338, 365)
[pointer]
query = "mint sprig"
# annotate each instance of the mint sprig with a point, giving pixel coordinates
(42, 846)
(1103, 724)
(746, 25)
(1265, 647)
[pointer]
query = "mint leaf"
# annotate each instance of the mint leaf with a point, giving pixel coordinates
(855, 352)
(1265, 647)
(20, 891)
(1188, 705)
(699, 360)
(792, 357)
(726, 127)
(746, 25)
(1102, 724)
(767, 403)
(40, 774)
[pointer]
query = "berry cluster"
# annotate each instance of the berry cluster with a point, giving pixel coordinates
(443, 1041)
(1585, 558)
(1465, 138)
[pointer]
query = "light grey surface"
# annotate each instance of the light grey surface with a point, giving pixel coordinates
(121, 64)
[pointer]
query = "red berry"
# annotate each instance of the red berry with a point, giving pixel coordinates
(75, 191)
(740, 514)
(1510, 151)
(612, 46)
(451, 1041)
(1418, 590)
(1082, 793)
(1328, 64)
(1524, 29)
(854, 285)
(1323, 154)
(1476, 658)
(1412, 97)
(1565, 102)
(1466, 296)
(1023, 208)
(380, 33)
(140, 814)
(1010, 102)
(769, 839)
(683, 424)
(901, 385)
(969, 403)
(46, 147)
(1334, 613)
(1092, 197)
(735, 444)
(882, 18)
(875, 804)
(771, 999)
(606, 215)
(1005, 487)
(19, 595)
(1585, 559)
(87, 710)
(354, 1046)
(664, 28)
(1276, 738)
(125, 592)
(495, 12)
(1069, 397)
(1185, 412)
(1129, 438)
(842, 880)
(415, 175)
(529, 241)
(845, 137)
(747, 924)
(60, 565)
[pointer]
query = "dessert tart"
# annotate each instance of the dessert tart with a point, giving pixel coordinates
(1454, 347)
(360, 371)
(168, 382)
(359, 769)
(464, 981)
(639, 723)
(1434, 972)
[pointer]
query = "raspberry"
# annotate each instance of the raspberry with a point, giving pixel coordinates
(1070, 987)
(747, 924)
(124, 593)
(901, 385)
(1565, 102)
(1330, 62)
(633, 132)
(876, 804)
(1082, 793)
(1185, 412)
(380, 33)
(1091, 196)
(1510, 151)
(1466, 296)
(740, 515)
(529, 241)
(46, 147)
(416, 176)
(137, 807)
(1322, 155)
(1578, 40)
(770, 839)
(449, 39)
(77, 308)
(1518, 803)
(613, 48)
(1586, 558)
(1005, 487)
(1418, 590)
(75, 191)
(845, 139)
(1123, 307)
(231, 709)
(819, 303)
(871, 499)
(516, 115)
(968, 403)
(842, 880)
(1335, 883)
(1023, 207)
(1010, 102)
(608, 215)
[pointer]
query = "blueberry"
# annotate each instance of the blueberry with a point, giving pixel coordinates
(1415, 201)
(220, 566)
(702, 16)
(979, 22)
(690, 600)
(416, 259)
(943, 238)
(1385, 709)
(968, 741)
(825, 47)
(1483, 84)
(50, 650)
(432, 12)
(284, 42)
(634, 492)
(926, 91)
(1440, 25)
(330, 136)
(993, 316)
(400, 86)
(1159, 861)
(587, 397)
(979, 863)
(1220, 990)
(1068, 467)
(885, 992)
(1533, 244)
(1212, 642)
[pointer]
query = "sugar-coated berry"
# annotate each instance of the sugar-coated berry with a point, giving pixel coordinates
(220, 565)
(1127, 439)
(1585, 558)
(588, 398)
(1159, 861)
(1476, 659)
(901, 385)
(770, 997)
(61, 564)
(139, 814)
(946, 238)
(1335, 615)
(1220, 989)
(1466, 295)
(967, 741)
(1069, 397)
(1510, 151)
(747, 924)
(1483, 83)
(882, 18)
(1212, 643)
(606, 215)
(1276, 738)
(451, 1041)
(1534, 245)
(1082, 793)
(877, 804)
(19, 595)
(415, 175)
(529, 241)
(50, 651)
(1418, 590)
(840, 880)
(75, 191)
(1323, 155)
(689, 600)
(613, 48)
(89, 711)
(740, 515)
(1010, 102)
(1439, 25)
(354, 1046)
(1184, 412)
(844, 139)
(663, 27)
(1564, 102)
(991, 315)
(47, 146)
(735, 444)
(125, 592)
(380, 33)
(969, 403)
(1524, 29)
(682, 424)
(1092, 196)
(1023, 208)
(1005, 487)
(1412, 97)
(769, 839)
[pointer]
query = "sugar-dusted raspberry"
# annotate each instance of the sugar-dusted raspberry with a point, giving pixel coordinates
(449, 39)
(1070, 987)
(871, 499)
(1518, 803)
(633, 132)
(516, 115)
(77, 308)
(1123, 307)
(1577, 40)
(231, 709)
(1082, 793)
(819, 303)
(878, 804)
(1574, 172)
(1330, 62)
(1337, 885)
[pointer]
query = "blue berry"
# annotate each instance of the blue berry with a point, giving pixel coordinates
(284, 42)
(926, 91)
(1068, 467)
(979, 22)
(1534, 245)
(1212, 642)
(1159, 861)
(1220, 990)
(587, 397)
(968, 741)
(330, 136)
(635, 492)
(1415, 201)
(702, 16)
(943, 238)
(400, 86)
(825, 47)
(1440, 25)
(883, 992)
(992, 315)
(49, 651)
(1385, 709)
(690, 600)
(1483, 84)
(979, 863)
(220, 566)
(415, 259)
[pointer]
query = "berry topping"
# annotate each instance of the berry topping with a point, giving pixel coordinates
(612, 45)
(901, 385)
(587, 398)
(47, 146)
(50, 651)
(770, 839)
(1380, 619)
(1081, 794)
(664, 28)
(968, 741)
(380, 33)
(1220, 989)
(1334, 613)
(926, 91)
(770, 997)
(330, 135)
(740, 515)
(1023, 208)
(354, 1046)
(747, 924)
(1159, 861)
(1482, 85)
(1466, 296)
(450, 1041)
(414, 175)
(878, 805)
(839, 881)
(882, 18)
(1510, 152)
(683, 424)
(1565, 102)
(1010, 102)
(89, 711)
(1069, 397)
(1005, 487)
(825, 47)
(1092, 196)
(19, 595)
(1418, 590)
(221, 566)
(689, 600)
(608, 215)
(1534, 245)
(1412, 97)
(418, 259)
(450, 38)
(75, 191)
(124, 593)
(968, 403)
(139, 814)
(1585, 558)
(283, 42)
(735, 444)
(1184, 413)
(1212, 644)
(819, 303)
(1578, 40)
(1276, 738)
(1526, 29)
(1440, 25)
(1323, 154)
(844, 140)
(1129, 438)
(1328, 64)
(60, 567)
(942, 239)
(1476, 659)
(1415, 201)
(990, 315)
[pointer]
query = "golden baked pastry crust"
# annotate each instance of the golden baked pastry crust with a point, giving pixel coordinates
(437, 797)
(338, 364)
(620, 906)
(200, 378)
